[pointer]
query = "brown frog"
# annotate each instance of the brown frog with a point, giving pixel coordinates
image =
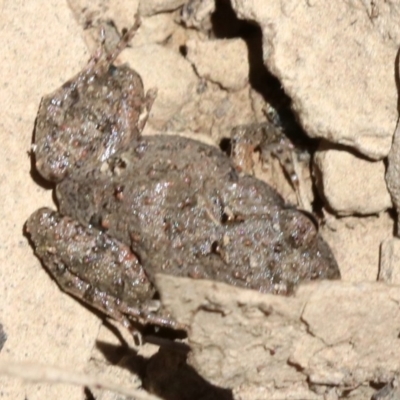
(133, 206)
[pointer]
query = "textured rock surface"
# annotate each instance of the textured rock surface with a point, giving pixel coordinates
(221, 61)
(351, 184)
(243, 339)
(389, 268)
(355, 242)
(169, 73)
(150, 7)
(336, 62)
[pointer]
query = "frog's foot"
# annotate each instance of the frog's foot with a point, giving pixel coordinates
(95, 268)
(101, 60)
(269, 140)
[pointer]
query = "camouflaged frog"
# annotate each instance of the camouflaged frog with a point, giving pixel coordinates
(132, 206)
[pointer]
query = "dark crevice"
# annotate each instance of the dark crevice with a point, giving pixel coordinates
(226, 25)
(88, 394)
(162, 332)
(166, 373)
(377, 385)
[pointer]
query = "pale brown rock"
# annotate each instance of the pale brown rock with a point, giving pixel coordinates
(336, 61)
(355, 242)
(221, 61)
(151, 7)
(351, 184)
(214, 111)
(389, 268)
(121, 376)
(359, 337)
(155, 29)
(331, 333)
(226, 324)
(171, 74)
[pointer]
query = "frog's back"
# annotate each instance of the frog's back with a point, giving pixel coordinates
(184, 210)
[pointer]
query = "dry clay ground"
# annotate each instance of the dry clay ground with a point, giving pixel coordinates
(337, 64)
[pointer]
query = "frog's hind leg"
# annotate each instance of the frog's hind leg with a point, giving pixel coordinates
(95, 268)
(126, 38)
(101, 59)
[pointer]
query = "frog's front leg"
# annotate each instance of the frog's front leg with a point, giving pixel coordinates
(269, 140)
(102, 60)
(95, 268)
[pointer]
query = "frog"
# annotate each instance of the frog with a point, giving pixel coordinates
(132, 206)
